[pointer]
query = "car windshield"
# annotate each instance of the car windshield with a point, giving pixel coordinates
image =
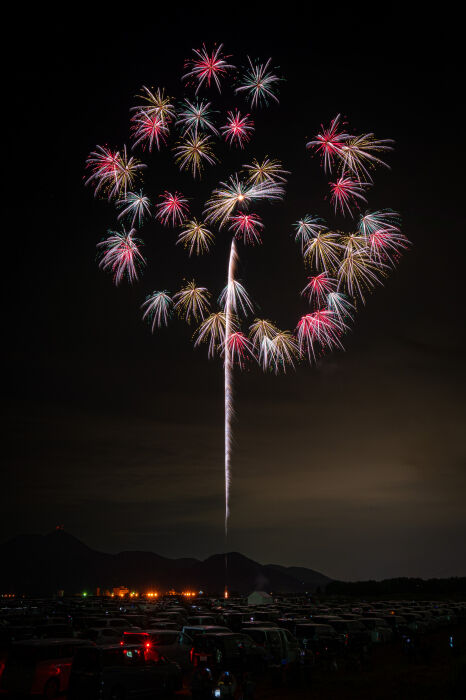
(135, 638)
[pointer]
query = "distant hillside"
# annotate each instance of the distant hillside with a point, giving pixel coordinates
(43, 564)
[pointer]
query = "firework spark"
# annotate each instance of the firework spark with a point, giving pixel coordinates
(135, 205)
(329, 143)
(207, 67)
(344, 192)
(247, 227)
(259, 83)
(157, 309)
(318, 288)
(113, 172)
(194, 152)
(155, 104)
(307, 229)
(358, 273)
(235, 297)
(357, 154)
(195, 117)
(317, 331)
(149, 130)
(237, 131)
(340, 305)
(212, 329)
(192, 302)
(120, 254)
(229, 195)
(323, 251)
(172, 209)
(270, 170)
(197, 237)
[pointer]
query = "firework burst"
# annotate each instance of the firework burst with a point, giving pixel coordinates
(196, 236)
(158, 308)
(194, 152)
(358, 274)
(238, 130)
(236, 193)
(195, 117)
(329, 143)
(212, 330)
(192, 302)
(323, 251)
(112, 171)
(318, 287)
(247, 227)
(173, 209)
(318, 331)
(307, 229)
(235, 297)
(344, 193)
(207, 67)
(270, 170)
(148, 130)
(155, 103)
(135, 206)
(120, 255)
(259, 83)
(357, 154)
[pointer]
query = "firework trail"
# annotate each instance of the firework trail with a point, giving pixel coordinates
(228, 368)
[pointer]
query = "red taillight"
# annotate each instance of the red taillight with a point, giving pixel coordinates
(147, 645)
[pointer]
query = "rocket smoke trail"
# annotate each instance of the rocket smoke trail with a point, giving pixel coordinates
(229, 308)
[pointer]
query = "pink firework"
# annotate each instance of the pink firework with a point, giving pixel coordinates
(121, 255)
(148, 129)
(247, 227)
(329, 143)
(239, 348)
(238, 129)
(318, 288)
(344, 193)
(321, 328)
(104, 165)
(173, 209)
(207, 67)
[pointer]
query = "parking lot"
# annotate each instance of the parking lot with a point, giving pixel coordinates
(202, 647)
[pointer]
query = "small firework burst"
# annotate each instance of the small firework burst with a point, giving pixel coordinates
(318, 287)
(323, 251)
(269, 170)
(134, 206)
(120, 255)
(308, 228)
(195, 117)
(345, 192)
(192, 302)
(207, 66)
(329, 143)
(148, 129)
(259, 83)
(238, 129)
(155, 103)
(173, 209)
(318, 331)
(194, 152)
(212, 330)
(236, 297)
(158, 308)
(196, 237)
(247, 227)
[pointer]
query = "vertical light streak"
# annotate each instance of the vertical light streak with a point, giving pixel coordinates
(229, 376)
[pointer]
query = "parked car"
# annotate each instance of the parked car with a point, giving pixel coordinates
(281, 646)
(38, 667)
(379, 630)
(116, 672)
(195, 630)
(102, 635)
(353, 633)
(318, 639)
(228, 650)
(175, 645)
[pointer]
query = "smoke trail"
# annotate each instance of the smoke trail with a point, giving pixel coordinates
(229, 377)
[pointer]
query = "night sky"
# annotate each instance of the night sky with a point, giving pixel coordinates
(354, 467)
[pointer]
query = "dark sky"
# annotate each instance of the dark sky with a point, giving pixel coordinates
(354, 467)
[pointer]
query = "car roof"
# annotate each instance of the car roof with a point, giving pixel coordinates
(50, 642)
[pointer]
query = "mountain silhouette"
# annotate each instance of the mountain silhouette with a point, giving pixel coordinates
(44, 564)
